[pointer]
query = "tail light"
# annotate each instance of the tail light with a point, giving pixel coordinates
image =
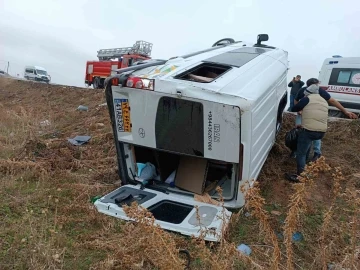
(140, 83)
(241, 159)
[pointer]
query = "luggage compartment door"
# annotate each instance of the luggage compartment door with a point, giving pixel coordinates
(180, 125)
(172, 212)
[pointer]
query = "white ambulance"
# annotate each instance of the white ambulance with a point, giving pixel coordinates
(203, 120)
(340, 76)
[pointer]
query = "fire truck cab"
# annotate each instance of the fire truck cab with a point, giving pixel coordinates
(112, 59)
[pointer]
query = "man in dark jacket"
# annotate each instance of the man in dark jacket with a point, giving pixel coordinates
(313, 102)
(314, 108)
(295, 85)
(332, 101)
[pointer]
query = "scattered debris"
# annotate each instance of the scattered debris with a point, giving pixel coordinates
(276, 213)
(79, 140)
(102, 105)
(297, 237)
(244, 249)
(83, 108)
(331, 266)
(247, 214)
(94, 199)
(45, 123)
(100, 125)
(56, 258)
(280, 235)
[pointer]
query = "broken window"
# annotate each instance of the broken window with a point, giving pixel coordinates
(205, 73)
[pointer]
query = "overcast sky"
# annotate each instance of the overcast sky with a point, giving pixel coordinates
(61, 35)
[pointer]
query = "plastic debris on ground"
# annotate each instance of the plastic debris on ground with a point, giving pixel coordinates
(297, 237)
(276, 213)
(279, 235)
(94, 199)
(45, 123)
(247, 214)
(83, 108)
(100, 125)
(244, 249)
(79, 140)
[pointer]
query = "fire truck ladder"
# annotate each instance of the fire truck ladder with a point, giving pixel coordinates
(140, 47)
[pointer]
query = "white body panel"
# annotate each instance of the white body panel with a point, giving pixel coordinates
(332, 77)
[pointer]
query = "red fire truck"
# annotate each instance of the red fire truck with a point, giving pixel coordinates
(112, 59)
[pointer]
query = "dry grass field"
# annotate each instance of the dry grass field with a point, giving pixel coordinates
(47, 220)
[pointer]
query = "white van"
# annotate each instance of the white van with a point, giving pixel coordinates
(340, 76)
(36, 73)
(203, 120)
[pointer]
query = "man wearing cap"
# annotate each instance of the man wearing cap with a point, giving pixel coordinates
(314, 124)
(324, 94)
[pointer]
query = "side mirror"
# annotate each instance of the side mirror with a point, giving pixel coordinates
(262, 37)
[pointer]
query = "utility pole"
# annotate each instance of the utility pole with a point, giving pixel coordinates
(7, 70)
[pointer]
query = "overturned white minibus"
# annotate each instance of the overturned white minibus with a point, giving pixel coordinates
(185, 126)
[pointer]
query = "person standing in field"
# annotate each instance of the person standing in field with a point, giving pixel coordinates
(314, 114)
(332, 101)
(296, 84)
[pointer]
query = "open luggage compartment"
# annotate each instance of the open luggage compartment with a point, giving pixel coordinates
(183, 174)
